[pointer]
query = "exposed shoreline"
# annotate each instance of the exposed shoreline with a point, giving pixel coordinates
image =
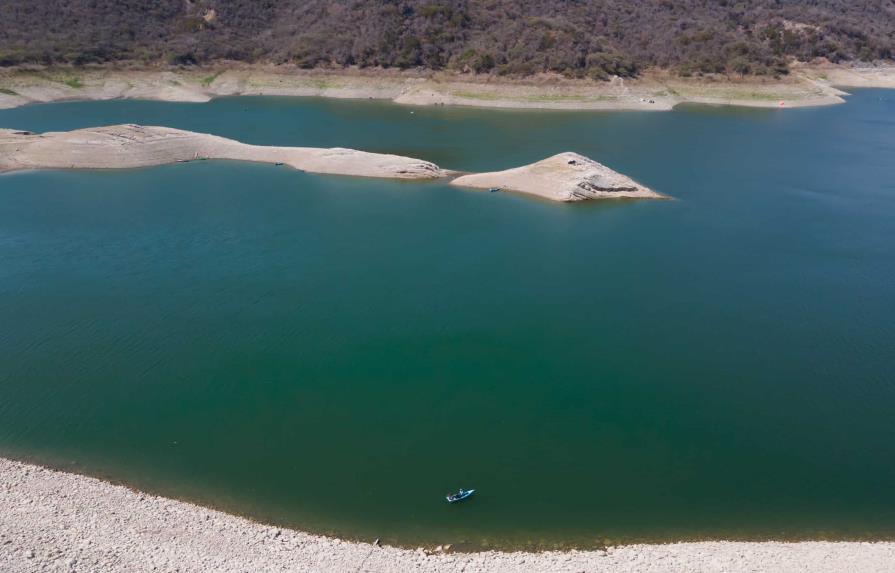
(655, 91)
(68, 522)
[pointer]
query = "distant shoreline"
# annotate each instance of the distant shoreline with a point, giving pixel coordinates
(655, 91)
(54, 518)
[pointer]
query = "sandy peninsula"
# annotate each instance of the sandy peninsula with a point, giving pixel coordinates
(54, 521)
(655, 90)
(563, 177)
(127, 146)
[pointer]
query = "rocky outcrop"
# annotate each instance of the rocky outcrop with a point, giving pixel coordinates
(562, 177)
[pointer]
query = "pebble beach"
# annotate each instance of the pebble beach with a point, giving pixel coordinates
(56, 521)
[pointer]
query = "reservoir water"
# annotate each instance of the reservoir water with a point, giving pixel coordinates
(337, 353)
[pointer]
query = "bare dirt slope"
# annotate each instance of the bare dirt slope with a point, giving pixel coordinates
(651, 92)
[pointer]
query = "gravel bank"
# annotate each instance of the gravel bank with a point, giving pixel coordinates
(54, 521)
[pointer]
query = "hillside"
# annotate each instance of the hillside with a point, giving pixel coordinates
(579, 38)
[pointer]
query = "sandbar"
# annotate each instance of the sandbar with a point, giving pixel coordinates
(129, 146)
(563, 177)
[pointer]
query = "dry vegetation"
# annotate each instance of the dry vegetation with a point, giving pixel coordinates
(578, 38)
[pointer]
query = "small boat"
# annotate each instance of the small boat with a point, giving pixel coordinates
(459, 496)
(494, 189)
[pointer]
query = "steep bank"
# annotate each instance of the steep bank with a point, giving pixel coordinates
(806, 86)
(54, 521)
(127, 146)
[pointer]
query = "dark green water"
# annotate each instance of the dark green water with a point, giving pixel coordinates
(337, 353)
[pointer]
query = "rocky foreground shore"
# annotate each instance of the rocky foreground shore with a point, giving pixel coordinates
(55, 521)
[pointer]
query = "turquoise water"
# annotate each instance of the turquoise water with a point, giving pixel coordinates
(337, 353)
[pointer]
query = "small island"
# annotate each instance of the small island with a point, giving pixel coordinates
(563, 177)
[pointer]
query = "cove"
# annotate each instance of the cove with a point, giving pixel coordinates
(335, 354)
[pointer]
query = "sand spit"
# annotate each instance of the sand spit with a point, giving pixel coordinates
(54, 521)
(563, 177)
(654, 91)
(123, 146)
